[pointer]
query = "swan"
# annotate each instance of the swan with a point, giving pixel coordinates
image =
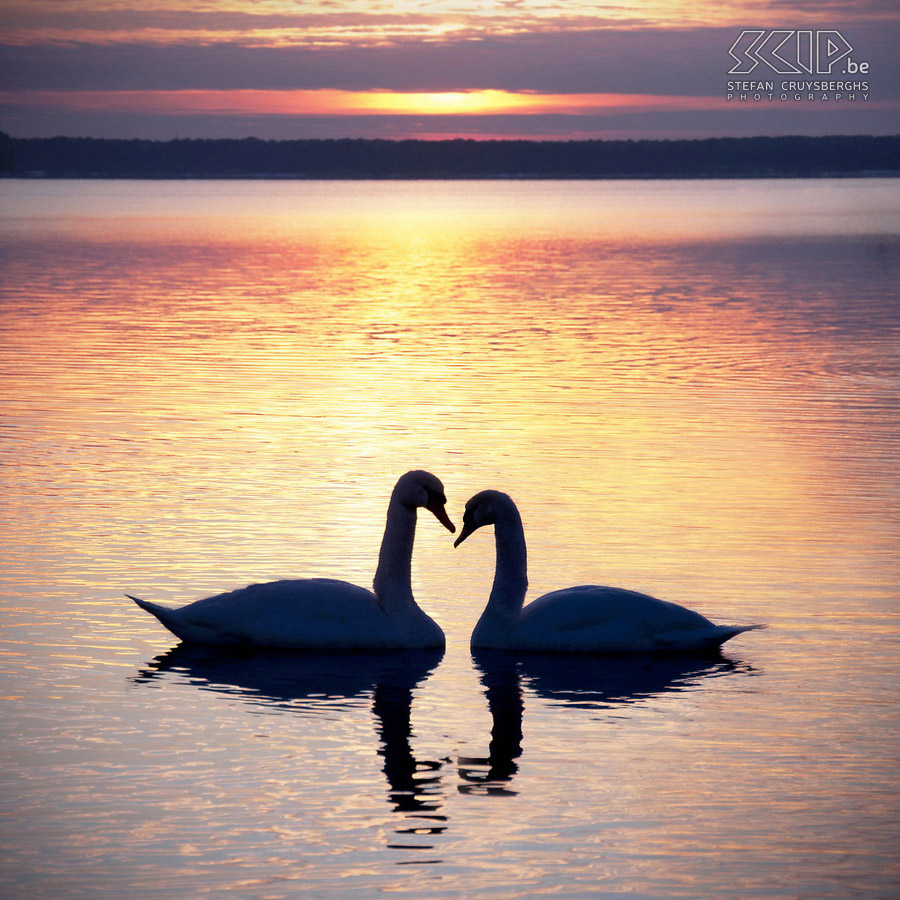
(587, 618)
(321, 613)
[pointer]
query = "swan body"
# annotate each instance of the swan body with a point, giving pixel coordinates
(587, 618)
(322, 613)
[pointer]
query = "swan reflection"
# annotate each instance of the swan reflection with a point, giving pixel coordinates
(317, 681)
(572, 680)
(503, 692)
(310, 683)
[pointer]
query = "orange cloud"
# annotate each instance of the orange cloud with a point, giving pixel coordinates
(365, 23)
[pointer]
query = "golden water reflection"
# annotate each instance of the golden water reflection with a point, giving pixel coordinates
(690, 390)
(694, 396)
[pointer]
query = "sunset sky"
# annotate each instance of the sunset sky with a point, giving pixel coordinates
(364, 68)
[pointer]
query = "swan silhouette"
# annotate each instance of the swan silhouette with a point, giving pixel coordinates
(321, 613)
(586, 618)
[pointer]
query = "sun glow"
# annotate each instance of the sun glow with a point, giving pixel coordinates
(341, 103)
(443, 102)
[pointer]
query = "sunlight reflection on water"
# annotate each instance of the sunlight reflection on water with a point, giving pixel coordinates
(689, 388)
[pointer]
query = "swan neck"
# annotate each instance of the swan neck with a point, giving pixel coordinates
(511, 573)
(393, 577)
(504, 607)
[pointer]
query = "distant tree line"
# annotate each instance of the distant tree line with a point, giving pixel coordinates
(63, 157)
(7, 153)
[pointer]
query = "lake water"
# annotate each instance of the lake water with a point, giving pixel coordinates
(690, 388)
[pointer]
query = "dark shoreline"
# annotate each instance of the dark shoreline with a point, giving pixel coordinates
(858, 156)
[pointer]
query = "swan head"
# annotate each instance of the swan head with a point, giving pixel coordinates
(483, 509)
(420, 488)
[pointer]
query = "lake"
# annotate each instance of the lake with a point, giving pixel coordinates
(690, 388)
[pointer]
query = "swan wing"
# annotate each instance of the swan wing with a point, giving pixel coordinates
(315, 613)
(593, 618)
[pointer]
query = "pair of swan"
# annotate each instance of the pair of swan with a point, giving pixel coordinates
(323, 614)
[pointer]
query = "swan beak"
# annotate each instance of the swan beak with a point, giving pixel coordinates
(468, 528)
(440, 513)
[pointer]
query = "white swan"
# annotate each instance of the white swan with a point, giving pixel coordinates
(584, 619)
(321, 613)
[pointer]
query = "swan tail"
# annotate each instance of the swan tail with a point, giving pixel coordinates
(706, 640)
(163, 613)
(727, 632)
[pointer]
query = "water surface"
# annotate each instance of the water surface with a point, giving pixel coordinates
(690, 388)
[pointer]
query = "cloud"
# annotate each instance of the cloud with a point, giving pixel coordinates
(835, 11)
(500, 45)
(316, 24)
(629, 61)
